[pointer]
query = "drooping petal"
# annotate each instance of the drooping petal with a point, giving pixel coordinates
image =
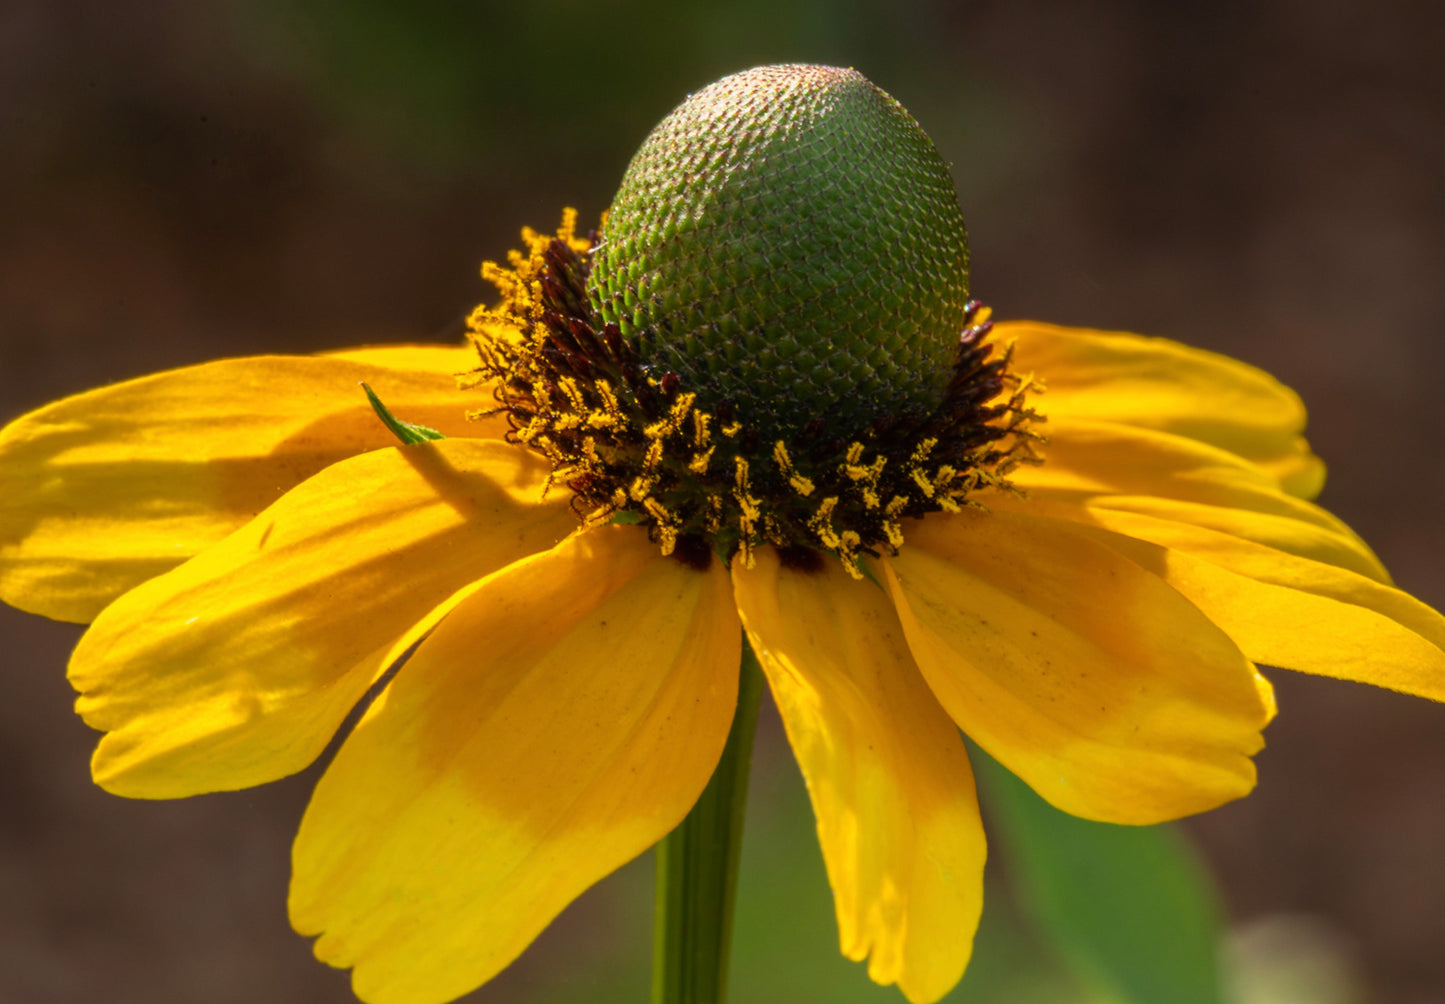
(1284, 605)
(557, 723)
(1155, 383)
(1099, 464)
(1285, 533)
(103, 490)
(886, 770)
(1113, 696)
(1087, 455)
(237, 667)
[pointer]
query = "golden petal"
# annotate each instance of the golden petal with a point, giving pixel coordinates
(561, 720)
(237, 667)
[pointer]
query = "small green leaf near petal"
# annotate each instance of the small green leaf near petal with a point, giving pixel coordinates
(407, 432)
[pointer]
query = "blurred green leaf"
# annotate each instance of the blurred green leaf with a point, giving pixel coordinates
(1130, 907)
(785, 945)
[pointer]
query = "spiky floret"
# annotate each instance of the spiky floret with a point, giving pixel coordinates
(632, 444)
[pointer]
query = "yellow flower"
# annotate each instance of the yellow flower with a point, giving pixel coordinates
(254, 553)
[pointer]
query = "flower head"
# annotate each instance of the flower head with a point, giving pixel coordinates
(772, 341)
(740, 405)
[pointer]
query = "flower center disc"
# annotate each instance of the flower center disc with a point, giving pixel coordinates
(772, 343)
(789, 240)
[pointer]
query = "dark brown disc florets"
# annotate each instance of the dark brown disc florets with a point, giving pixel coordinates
(632, 445)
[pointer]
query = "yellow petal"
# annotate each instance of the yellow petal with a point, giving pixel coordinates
(1159, 384)
(237, 667)
(1284, 533)
(886, 770)
(447, 360)
(1098, 463)
(104, 490)
(1284, 609)
(1094, 457)
(558, 723)
(1088, 677)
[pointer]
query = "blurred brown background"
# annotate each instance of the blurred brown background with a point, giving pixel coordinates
(181, 181)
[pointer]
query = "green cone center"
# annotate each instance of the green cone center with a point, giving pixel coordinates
(789, 241)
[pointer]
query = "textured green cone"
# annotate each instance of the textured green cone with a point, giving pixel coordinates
(789, 239)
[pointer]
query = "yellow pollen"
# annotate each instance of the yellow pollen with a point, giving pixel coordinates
(699, 462)
(822, 523)
(701, 434)
(673, 422)
(574, 393)
(568, 226)
(666, 524)
(921, 480)
(745, 551)
(800, 484)
(749, 509)
(741, 467)
(599, 420)
(857, 472)
(848, 553)
(640, 487)
(680, 408)
(609, 399)
(922, 450)
(597, 517)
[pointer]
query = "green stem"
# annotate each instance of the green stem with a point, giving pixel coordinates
(697, 868)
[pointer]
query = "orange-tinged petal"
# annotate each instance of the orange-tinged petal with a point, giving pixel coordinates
(1172, 520)
(237, 667)
(886, 770)
(1286, 533)
(1100, 464)
(556, 724)
(1159, 384)
(446, 360)
(1113, 696)
(103, 490)
(1290, 610)
(1087, 455)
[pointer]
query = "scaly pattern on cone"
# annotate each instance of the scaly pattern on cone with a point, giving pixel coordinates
(789, 240)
